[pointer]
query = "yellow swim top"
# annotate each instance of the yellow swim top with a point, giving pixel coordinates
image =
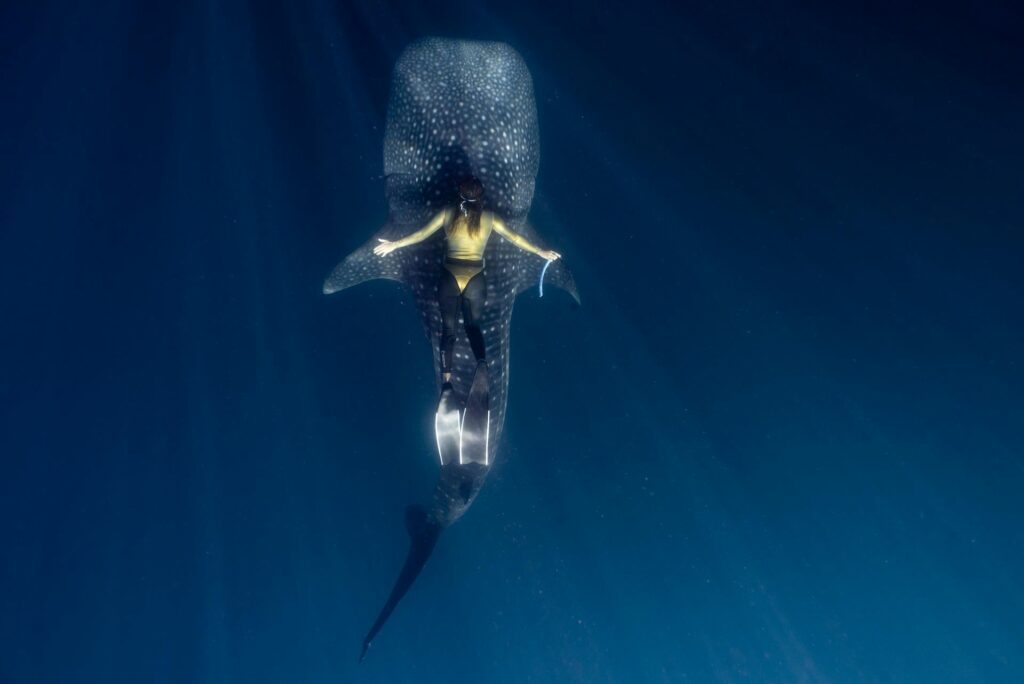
(462, 245)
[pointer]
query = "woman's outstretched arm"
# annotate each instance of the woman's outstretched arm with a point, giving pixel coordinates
(522, 243)
(388, 246)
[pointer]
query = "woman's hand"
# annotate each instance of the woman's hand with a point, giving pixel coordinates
(385, 247)
(550, 256)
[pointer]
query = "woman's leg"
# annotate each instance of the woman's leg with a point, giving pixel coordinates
(448, 301)
(473, 299)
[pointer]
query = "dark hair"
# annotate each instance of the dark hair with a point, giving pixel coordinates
(471, 192)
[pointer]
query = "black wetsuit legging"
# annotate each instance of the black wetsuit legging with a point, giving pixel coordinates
(471, 300)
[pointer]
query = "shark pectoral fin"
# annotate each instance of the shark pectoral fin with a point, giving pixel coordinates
(362, 265)
(558, 275)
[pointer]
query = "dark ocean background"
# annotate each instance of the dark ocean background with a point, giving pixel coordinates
(781, 441)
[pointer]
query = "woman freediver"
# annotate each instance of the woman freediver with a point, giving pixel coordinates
(462, 282)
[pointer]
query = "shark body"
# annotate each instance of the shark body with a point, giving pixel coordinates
(456, 108)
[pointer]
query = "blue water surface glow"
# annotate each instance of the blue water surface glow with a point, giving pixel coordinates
(781, 441)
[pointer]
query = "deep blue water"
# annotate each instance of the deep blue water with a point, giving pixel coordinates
(780, 442)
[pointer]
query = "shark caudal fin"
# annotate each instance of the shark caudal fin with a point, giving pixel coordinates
(423, 536)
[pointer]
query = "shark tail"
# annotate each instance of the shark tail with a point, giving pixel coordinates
(423, 535)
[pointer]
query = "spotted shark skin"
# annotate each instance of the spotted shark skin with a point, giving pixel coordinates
(457, 108)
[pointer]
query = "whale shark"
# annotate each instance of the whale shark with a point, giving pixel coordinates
(456, 108)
